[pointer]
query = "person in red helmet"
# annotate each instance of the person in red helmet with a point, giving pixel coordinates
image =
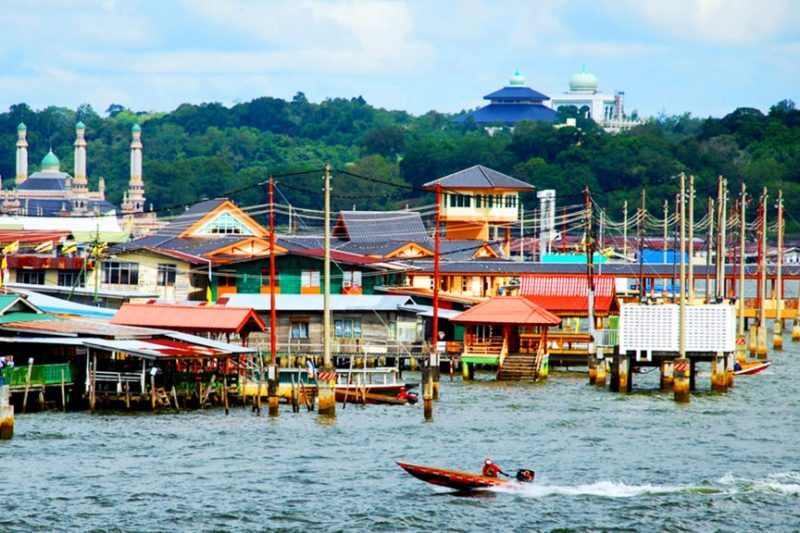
(490, 469)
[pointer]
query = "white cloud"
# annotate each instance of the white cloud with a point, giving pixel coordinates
(717, 22)
(601, 49)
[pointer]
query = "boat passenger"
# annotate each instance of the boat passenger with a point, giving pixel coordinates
(490, 469)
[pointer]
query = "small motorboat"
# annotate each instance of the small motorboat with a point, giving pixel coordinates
(464, 481)
(748, 368)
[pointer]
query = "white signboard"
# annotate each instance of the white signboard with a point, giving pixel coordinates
(654, 328)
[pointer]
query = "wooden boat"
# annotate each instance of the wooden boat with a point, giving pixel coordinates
(748, 368)
(461, 481)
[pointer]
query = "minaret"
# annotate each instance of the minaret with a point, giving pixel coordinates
(22, 154)
(80, 184)
(134, 203)
(101, 188)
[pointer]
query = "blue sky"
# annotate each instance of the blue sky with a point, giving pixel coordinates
(706, 57)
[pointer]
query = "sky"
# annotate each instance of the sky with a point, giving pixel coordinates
(704, 57)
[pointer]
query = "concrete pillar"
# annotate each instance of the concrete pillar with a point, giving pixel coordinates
(730, 360)
(591, 361)
(601, 372)
(667, 375)
(272, 389)
(620, 374)
(777, 331)
(681, 380)
(762, 342)
(326, 392)
(753, 338)
(796, 330)
(6, 413)
(435, 374)
(719, 380)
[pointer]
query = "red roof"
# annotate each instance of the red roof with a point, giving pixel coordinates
(190, 318)
(29, 236)
(516, 310)
(569, 295)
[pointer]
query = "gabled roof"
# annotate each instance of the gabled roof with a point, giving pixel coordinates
(515, 310)
(569, 295)
(479, 177)
(213, 209)
(216, 319)
(516, 94)
(358, 226)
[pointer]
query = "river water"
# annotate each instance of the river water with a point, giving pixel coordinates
(603, 461)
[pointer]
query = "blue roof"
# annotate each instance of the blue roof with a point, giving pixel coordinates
(517, 94)
(52, 207)
(510, 114)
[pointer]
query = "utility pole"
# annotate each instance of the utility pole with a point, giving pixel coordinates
(431, 379)
(666, 229)
(761, 344)
(740, 340)
(326, 380)
(722, 209)
(710, 247)
(625, 230)
(682, 376)
(602, 241)
(589, 262)
(691, 239)
(273, 382)
(641, 217)
(777, 328)
(521, 233)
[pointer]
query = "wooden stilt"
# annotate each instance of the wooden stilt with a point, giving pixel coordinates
(175, 399)
(152, 391)
(93, 386)
(63, 392)
(427, 393)
(27, 385)
(127, 395)
(225, 393)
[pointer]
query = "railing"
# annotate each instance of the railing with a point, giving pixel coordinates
(120, 378)
(606, 337)
(40, 375)
(491, 346)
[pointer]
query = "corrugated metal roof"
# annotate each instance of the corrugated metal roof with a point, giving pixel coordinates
(314, 302)
(479, 177)
(372, 226)
(75, 328)
(60, 306)
(156, 348)
(508, 310)
(222, 319)
(569, 296)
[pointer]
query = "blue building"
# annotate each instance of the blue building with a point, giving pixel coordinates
(511, 104)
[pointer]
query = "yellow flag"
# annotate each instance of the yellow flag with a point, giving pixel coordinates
(69, 247)
(4, 264)
(11, 248)
(209, 294)
(44, 247)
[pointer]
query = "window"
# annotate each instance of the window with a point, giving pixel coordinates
(120, 273)
(265, 278)
(460, 200)
(225, 224)
(32, 277)
(166, 274)
(71, 278)
(309, 278)
(299, 329)
(347, 329)
(464, 283)
(511, 200)
(226, 279)
(351, 278)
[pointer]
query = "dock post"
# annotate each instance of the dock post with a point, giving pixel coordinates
(591, 361)
(796, 329)
(624, 367)
(6, 413)
(326, 390)
(435, 374)
(667, 374)
(719, 378)
(681, 380)
(753, 344)
(27, 385)
(777, 330)
(762, 342)
(272, 389)
(468, 371)
(63, 393)
(427, 393)
(730, 360)
(600, 368)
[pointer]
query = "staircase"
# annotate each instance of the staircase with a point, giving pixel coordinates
(519, 367)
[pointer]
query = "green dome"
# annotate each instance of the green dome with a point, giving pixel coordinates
(583, 82)
(50, 161)
(517, 80)
(80, 126)
(136, 127)
(22, 127)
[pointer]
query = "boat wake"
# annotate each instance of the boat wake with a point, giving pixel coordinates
(787, 483)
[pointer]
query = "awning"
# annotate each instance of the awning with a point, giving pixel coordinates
(157, 348)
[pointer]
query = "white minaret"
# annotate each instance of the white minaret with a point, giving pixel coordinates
(22, 154)
(134, 203)
(80, 155)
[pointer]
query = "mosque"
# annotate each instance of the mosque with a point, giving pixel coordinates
(53, 193)
(517, 102)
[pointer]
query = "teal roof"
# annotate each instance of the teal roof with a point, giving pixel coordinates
(80, 126)
(50, 160)
(136, 127)
(22, 127)
(21, 316)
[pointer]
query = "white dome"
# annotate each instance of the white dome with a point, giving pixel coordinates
(517, 80)
(583, 82)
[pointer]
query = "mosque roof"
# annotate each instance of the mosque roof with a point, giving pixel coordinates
(42, 207)
(80, 126)
(22, 127)
(45, 181)
(510, 114)
(136, 127)
(516, 93)
(479, 177)
(583, 82)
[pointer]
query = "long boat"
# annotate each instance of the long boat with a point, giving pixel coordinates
(463, 481)
(748, 368)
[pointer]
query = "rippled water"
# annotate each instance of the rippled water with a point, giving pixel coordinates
(604, 461)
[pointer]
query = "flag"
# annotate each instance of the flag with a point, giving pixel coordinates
(11, 248)
(44, 247)
(69, 247)
(99, 248)
(3, 269)
(209, 294)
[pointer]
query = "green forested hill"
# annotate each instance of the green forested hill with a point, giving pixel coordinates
(205, 150)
